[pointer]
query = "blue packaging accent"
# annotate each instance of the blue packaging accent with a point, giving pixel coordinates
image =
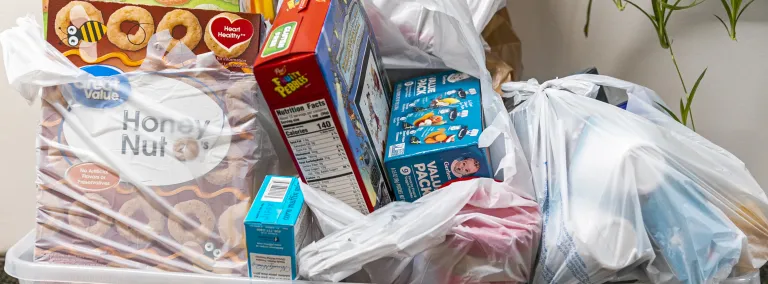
(453, 114)
(424, 153)
(276, 228)
(696, 239)
(108, 89)
(434, 91)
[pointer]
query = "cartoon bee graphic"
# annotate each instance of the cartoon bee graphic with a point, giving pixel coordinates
(90, 31)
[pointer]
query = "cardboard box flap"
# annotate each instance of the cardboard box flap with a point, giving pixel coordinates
(283, 40)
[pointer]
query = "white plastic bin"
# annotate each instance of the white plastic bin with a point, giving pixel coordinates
(753, 278)
(19, 264)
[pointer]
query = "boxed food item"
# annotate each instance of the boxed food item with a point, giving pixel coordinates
(278, 225)
(433, 117)
(115, 35)
(437, 122)
(322, 77)
(263, 7)
(152, 168)
(431, 91)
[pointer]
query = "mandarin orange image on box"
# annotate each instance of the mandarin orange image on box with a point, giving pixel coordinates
(323, 79)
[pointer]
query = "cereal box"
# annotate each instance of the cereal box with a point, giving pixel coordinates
(264, 7)
(322, 77)
(115, 35)
(276, 228)
(437, 121)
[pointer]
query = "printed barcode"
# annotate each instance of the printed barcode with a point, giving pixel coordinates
(397, 150)
(276, 189)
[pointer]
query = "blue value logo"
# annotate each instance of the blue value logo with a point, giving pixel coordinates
(109, 89)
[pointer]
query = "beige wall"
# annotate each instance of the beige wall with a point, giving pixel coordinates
(729, 108)
(18, 123)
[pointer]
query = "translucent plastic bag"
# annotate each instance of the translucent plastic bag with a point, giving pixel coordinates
(469, 232)
(633, 191)
(159, 174)
(446, 35)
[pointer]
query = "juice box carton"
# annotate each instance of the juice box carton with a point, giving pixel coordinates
(278, 225)
(421, 157)
(321, 75)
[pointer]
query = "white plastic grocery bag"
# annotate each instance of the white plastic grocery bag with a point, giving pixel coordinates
(632, 191)
(440, 34)
(468, 232)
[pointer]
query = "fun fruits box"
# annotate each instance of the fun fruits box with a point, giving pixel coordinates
(116, 35)
(438, 120)
(322, 77)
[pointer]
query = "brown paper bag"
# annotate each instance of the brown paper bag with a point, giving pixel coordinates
(504, 60)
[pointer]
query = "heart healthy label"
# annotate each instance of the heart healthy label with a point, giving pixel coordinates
(230, 33)
(280, 39)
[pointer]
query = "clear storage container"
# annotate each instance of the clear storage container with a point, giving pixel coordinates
(19, 264)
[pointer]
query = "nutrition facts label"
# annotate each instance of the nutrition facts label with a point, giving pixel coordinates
(318, 148)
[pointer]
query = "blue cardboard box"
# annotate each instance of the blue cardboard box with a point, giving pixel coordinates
(277, 226)
(431, 91)
(422, 155)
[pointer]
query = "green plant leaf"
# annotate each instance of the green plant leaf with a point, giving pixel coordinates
(744, 9)
(669, 112)
(619, 4)
(677, 7)
(683, 113)
(724, 25)
(693, 124)
(644, 12)
(589, 15)
(727, 8)
(693, 91)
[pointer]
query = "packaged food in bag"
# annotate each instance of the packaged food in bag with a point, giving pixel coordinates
(151, 169)
(628, 191)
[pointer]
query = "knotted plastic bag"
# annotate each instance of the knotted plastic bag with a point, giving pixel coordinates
(633, 191)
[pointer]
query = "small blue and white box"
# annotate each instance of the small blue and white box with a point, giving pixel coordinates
(276, 228)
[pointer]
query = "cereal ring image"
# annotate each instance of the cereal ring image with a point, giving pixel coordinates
(234, 162)
(46, 203)
(186, 19)
(79, 218)
(52, 95)
(143, 27)
(240, 112)
(63, 20)
(51, 117)
(156, 219)
(199, 210)
(219, 49)
(230, 225)
(186, 149)
(194, 247)
(242, 89)
(45, 6)
(172, 2)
